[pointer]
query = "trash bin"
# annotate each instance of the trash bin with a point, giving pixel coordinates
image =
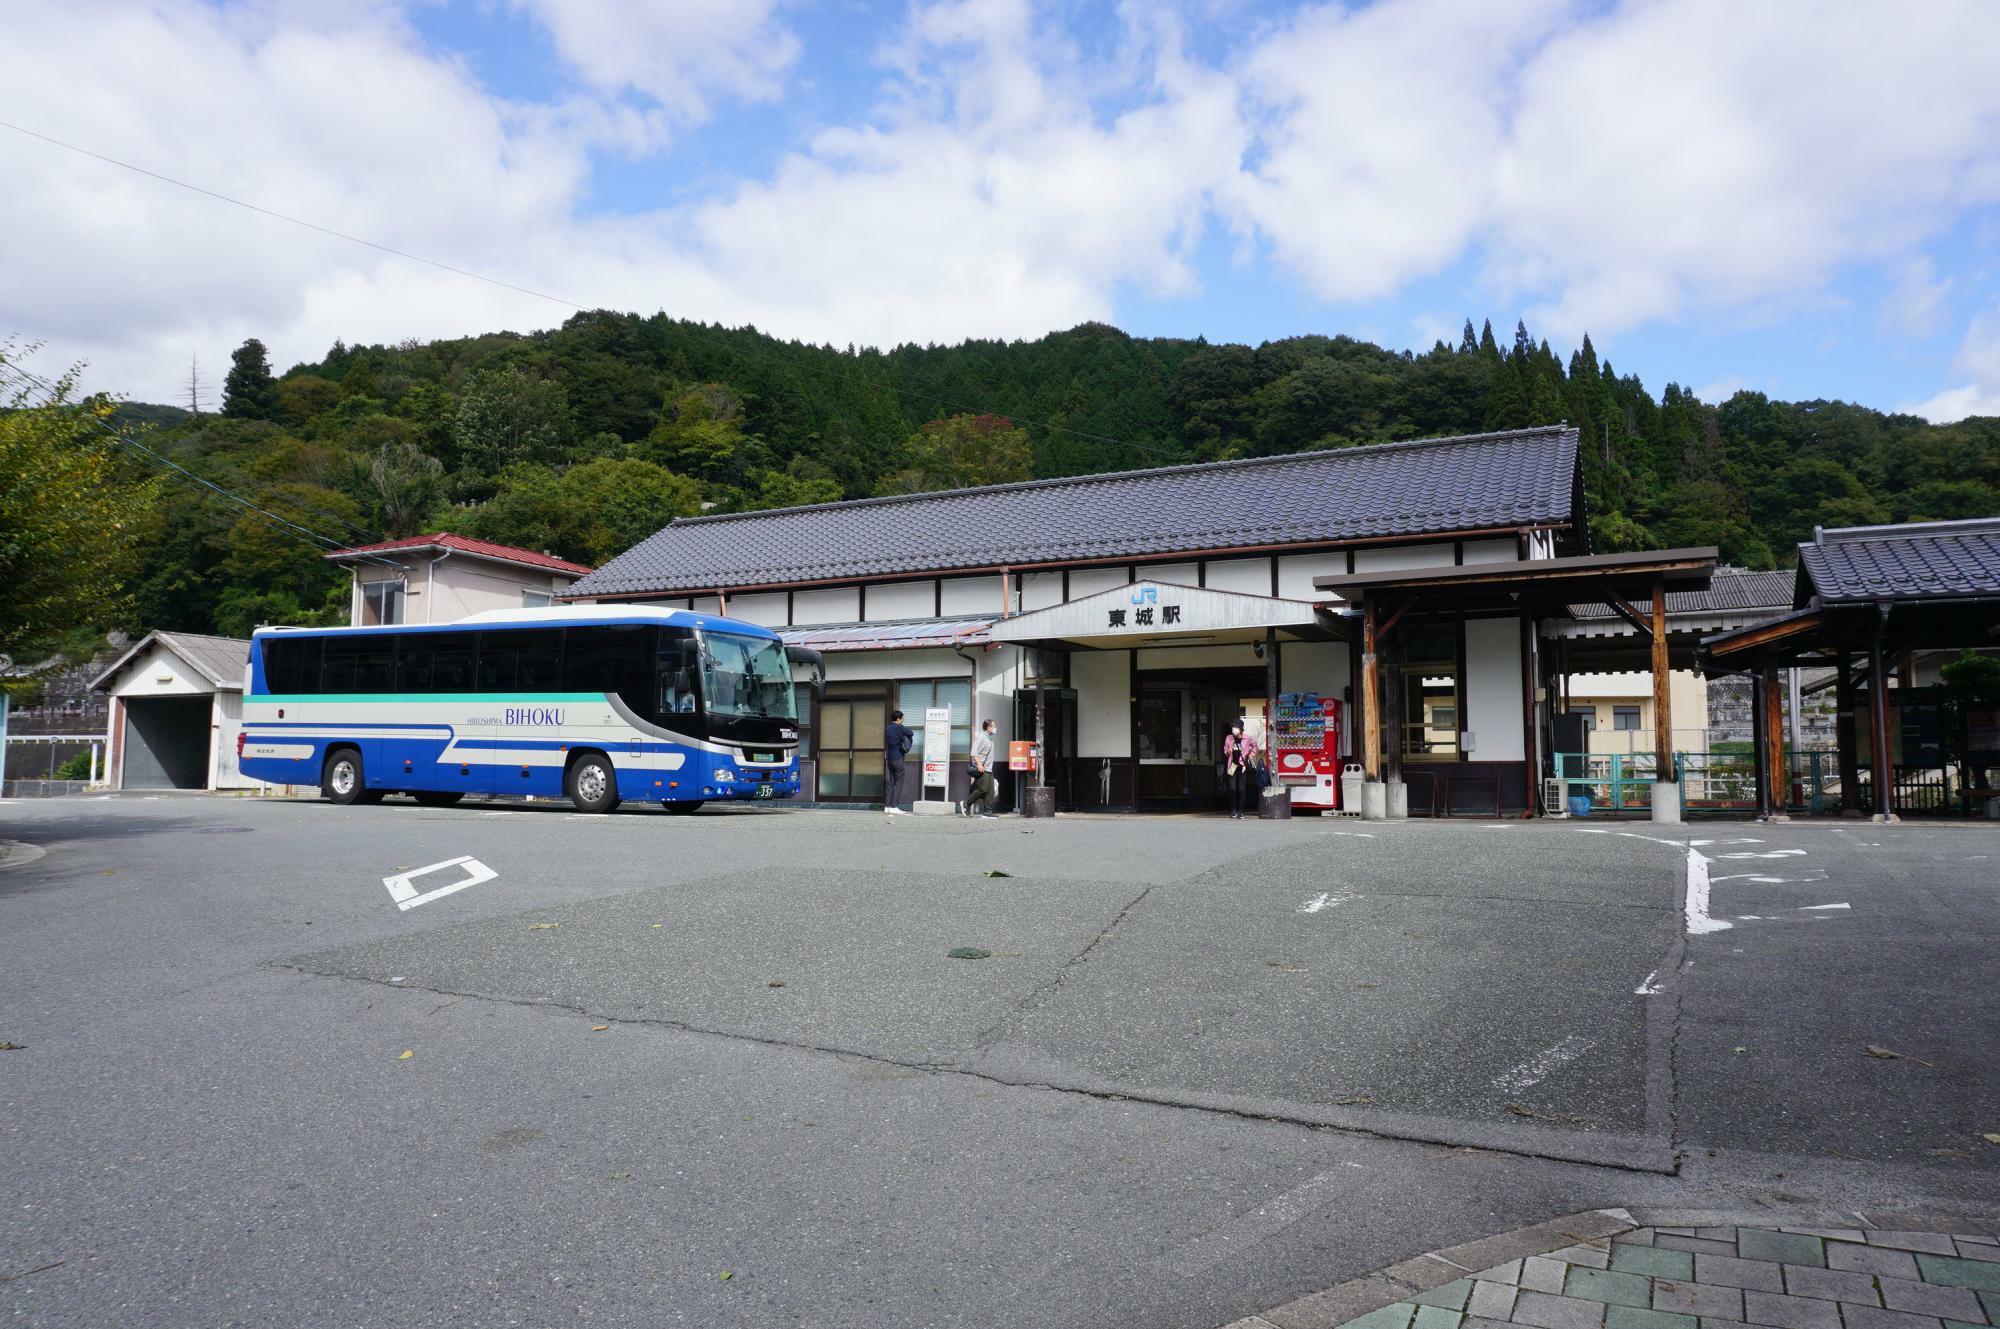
(1352, 777)
(1579, 805)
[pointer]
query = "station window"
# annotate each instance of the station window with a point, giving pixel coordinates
(915, 696)
(1589, 716)
(1625, 717)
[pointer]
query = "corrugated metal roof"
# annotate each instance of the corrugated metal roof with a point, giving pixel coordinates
(1731, 589)
(890, 636)
(1524, 477)
(1920, 560)
(220, 660)
(464, 545)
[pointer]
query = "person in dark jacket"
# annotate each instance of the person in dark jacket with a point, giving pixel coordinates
(896, 740)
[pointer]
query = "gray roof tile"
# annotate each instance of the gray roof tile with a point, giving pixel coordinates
(1732, 589)
(1921, 560)
(1474, 482)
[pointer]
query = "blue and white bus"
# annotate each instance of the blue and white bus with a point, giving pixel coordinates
(596, 704)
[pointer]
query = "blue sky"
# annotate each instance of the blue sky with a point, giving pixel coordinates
(1796, 198)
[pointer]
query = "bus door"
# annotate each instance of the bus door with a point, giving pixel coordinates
(601, 661)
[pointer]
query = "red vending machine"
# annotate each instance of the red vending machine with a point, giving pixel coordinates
(1306, 745)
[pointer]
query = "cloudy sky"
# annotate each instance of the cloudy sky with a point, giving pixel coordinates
(1794, 197)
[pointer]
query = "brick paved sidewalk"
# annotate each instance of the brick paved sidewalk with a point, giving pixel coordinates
(1623, 1275)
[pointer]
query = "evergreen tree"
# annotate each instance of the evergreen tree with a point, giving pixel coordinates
(249, 392)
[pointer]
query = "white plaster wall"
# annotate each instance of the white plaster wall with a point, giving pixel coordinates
(159, 673)
(840, 604)
(1231, 656)
(969, 595)
(1493, 551)
(1170, 574)
(227, 721)
(869, 666)
(1396, 558)
(766, 608)
(888, 601)
(1103, 683)
(1314, 666)
(707, 604)
(459, 586)
(1296, 573)
(1040, 590)
(1493, 706)
(1089, 581)
(1249, 575)
(995, 678)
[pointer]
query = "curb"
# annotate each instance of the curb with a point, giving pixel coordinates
(15, 854)
(1342, 1302)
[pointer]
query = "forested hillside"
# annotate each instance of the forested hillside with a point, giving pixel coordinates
(584, 439)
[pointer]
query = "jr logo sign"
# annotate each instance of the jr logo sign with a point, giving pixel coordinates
(1146, 595)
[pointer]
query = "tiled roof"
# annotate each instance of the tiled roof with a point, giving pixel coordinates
(466, 545)
(220, 660)
(1921, 560)
(891, 636)
(1474, 482)
(1731, 590)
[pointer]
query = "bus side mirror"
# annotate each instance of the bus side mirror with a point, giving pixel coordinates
(809, 663)
(681, 680)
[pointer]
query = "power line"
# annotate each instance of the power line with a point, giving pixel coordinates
(264, 516)
(1047, 425)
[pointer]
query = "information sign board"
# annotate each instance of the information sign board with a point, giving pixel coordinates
(937, 749)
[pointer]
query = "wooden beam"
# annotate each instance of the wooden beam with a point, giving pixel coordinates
(1776, 778)
(1389, 624)
(1769, 633)
(1629, 612)
(1878, 723)
(1371, 694)
(1845, 739)
(1663, 705)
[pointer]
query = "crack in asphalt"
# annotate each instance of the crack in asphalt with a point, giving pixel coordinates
(1472, 1138)
(1053, 984)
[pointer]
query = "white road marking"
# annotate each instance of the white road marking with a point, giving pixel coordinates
(1698, 920)
(1239, 1234)
(404, 892)
(1648, 987)
(1775, 853)
(1815, 907)
(1538, 1067)
(1321, 901)
(1359, 835)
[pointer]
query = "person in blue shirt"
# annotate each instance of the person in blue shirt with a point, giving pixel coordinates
(896, 740)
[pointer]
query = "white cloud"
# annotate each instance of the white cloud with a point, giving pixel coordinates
(1978, 360)
(1604, 167)
(676, 52)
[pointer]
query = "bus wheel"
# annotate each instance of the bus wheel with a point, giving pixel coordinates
(341, 781)
(593, 785)
(437, 798)
(682, 807)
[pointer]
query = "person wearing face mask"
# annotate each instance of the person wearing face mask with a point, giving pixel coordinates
(1238, 750)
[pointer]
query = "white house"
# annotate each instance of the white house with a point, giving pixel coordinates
(442, 578)
(176, 708)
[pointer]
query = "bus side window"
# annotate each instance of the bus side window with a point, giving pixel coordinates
(291, 665)
(677, 673)
(611, 658)
(521, 661)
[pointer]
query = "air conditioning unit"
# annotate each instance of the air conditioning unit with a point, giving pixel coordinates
(1554, 798)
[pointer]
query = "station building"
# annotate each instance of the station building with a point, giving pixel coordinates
(1152, 607)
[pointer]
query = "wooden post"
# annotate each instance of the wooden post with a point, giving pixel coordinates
(1878, 724)
(1663, 706)
(1760, 762)
(1041, 720)
(1845, 740)
(1774, 743)
(1371, 694)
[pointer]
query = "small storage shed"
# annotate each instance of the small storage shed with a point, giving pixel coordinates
(176, 708)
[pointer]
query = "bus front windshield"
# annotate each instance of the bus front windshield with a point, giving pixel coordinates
(746, 676)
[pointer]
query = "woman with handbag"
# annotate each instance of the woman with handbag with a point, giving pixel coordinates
(1239, 751)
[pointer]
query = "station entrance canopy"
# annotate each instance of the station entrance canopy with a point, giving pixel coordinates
(1152, 613)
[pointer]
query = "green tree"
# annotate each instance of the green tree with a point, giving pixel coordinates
(249, 392)
(401, 488)
(508, 416)
(68, 509)
(959, 452)
(700, 432)
(587, 513)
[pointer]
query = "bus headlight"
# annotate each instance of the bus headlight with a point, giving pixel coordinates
(724, 775)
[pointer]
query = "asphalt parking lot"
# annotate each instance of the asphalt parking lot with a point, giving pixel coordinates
(1204, 1067)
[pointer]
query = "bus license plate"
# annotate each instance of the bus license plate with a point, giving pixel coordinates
(763, 791)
